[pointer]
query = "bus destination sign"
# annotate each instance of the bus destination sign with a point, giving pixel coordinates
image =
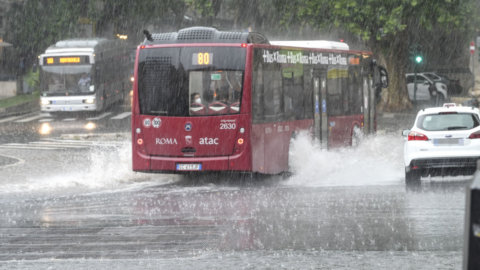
(66, 60)
(202, 59)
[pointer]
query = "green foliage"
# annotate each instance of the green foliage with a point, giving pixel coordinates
(19, 99)
(36, 24)
(32, 78)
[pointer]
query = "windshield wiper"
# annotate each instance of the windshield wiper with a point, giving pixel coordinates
(456, 127)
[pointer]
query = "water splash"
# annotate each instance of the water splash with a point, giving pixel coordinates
(101, 169)
(376, 161)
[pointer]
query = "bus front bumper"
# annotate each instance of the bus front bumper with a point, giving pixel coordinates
(70, 108)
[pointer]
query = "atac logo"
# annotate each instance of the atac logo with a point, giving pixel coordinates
(162, 141)
(209, 141)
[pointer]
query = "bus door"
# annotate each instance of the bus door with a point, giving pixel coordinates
(320, 101)
(368, 106)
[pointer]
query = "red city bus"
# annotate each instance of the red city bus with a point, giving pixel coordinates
(206, 100)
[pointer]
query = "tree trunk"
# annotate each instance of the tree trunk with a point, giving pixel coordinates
(395, 97)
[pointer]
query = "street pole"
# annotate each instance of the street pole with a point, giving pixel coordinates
(472, 52)
(415, 83)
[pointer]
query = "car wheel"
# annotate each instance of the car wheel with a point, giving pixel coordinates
(412, 177)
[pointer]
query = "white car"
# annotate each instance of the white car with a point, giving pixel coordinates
(424, 90)
(443, 141)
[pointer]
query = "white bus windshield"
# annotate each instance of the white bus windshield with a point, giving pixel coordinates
(67, 80)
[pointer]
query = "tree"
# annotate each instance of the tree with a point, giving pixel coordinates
(34, 25)
(388, 28)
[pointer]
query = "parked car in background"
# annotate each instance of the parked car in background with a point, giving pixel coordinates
(443, 141)
(453, 86)
(462, 78)
(427, 89)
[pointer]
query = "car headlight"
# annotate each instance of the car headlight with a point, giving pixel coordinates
(89, 100)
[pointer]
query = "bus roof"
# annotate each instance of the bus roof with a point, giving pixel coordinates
(204, 35)
(314, 44)
(83, 45)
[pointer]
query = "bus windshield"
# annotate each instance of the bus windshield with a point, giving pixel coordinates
(67, 80)
(190, 81)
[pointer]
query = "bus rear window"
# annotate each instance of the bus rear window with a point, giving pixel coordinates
(190, 81)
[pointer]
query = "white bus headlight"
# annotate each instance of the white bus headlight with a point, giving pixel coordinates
(89, 100)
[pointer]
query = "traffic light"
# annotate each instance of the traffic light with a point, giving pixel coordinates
(418, 59)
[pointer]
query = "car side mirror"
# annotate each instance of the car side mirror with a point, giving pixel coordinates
(405, 132)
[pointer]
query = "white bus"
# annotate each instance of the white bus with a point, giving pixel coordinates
(84, 75)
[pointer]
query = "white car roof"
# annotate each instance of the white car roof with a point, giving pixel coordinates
(449, 107)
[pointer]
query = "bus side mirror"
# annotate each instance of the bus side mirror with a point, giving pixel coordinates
(383, 77)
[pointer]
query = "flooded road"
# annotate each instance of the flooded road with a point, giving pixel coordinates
(80, 206)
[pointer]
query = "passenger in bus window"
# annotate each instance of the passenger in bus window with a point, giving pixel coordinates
(195, 98)
(236, 85)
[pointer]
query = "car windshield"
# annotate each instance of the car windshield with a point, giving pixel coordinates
(447, 121)
(431, 76)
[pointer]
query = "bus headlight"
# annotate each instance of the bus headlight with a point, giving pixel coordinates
(44, 101)
(89, 100)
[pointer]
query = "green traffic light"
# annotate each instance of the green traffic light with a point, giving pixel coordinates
(418, 59)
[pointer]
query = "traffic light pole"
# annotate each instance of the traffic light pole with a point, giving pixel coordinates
(415, 83)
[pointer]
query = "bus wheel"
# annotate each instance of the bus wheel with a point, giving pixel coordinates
(289, 171)
(357, 136)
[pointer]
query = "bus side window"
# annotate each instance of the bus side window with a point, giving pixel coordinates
(334, 95)
(288, 89)
(257, 92)
(273, 93)
(307, 93)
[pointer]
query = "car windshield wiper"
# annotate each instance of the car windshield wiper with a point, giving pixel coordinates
(456, 127)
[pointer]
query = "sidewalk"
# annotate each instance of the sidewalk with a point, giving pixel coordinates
(23, 108)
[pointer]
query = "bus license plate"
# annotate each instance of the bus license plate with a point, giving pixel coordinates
(189, 167)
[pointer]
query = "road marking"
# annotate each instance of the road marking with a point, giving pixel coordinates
(69, 119)
(8, 119)
(45, 120)
(122, 115)
(103, 115)
(46, 117)
(56, 144)
(19, 161)
(26, 146)
(28, 119)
